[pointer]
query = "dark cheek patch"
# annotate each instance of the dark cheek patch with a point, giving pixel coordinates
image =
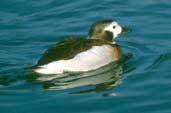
(107, 35)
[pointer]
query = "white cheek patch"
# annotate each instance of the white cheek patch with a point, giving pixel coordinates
(116, 31)
(119, 30)
(110, 27)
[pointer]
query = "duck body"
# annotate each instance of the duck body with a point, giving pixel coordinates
(77, 54)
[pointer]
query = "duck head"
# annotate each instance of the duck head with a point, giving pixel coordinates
(106, 30)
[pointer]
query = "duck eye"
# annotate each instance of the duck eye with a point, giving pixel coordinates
(114, 27)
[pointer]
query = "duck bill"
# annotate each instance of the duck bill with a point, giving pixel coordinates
(126, 30)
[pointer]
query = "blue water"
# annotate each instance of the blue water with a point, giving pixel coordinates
(142, 85)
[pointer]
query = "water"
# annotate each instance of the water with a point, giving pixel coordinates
(141, 85)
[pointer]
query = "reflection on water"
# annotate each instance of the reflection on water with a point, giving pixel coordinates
(104, 78)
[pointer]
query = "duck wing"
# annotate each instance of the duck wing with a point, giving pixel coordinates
(68, 48)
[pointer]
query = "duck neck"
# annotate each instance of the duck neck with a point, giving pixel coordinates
(106, 35)
(100, 38)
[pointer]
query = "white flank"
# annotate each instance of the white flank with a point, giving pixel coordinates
(91, 59)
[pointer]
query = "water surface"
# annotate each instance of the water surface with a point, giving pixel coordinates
(141, 85)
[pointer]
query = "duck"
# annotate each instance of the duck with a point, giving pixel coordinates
(79, 54)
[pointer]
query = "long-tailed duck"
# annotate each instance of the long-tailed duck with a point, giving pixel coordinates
(77, 54)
